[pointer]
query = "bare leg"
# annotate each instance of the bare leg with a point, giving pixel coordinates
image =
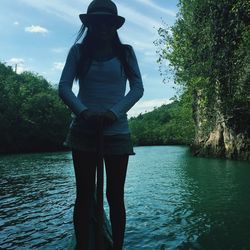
(84, 166)
(116, 169)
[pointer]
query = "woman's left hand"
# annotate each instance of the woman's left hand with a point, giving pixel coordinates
(109, 118)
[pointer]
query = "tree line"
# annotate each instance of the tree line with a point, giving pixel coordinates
(32, 117)
(167, 125)
(208, 50)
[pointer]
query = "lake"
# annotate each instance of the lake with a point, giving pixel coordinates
(173, 201)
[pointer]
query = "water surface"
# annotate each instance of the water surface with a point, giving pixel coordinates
(173, 201)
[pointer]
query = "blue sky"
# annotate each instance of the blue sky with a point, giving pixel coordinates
(37, 34)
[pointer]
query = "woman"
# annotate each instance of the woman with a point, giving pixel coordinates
(102, 65)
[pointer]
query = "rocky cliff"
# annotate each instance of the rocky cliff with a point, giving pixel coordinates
(218, 135)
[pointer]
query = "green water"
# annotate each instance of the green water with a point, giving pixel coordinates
(173, 201)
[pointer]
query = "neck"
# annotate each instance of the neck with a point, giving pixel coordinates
(103, 45)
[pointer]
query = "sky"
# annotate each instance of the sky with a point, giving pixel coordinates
(36, 35)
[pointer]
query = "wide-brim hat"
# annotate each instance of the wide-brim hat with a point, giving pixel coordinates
(102, 8)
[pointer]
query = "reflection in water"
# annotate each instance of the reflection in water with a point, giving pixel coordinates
(173, 201)
(218, 203)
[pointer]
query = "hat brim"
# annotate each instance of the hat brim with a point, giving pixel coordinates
(87, 18)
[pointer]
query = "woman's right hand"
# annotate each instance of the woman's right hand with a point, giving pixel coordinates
(92, 118)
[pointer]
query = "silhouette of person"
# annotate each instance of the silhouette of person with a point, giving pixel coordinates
(102, 65)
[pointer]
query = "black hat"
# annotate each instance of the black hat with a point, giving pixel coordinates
(103, 8)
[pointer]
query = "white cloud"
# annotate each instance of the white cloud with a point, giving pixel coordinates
(17, 64)
(142, 45)
(58, 8)
(15, 60)
(70, 14)
(36, 29)
(16, 23)
(58, 65)
(157, 7)
(59, 50)
(147, 106)
(144, 77)
(150, 57)
(137, 31)
(139, 19)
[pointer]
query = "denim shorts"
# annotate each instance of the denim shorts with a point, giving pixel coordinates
(87, 141)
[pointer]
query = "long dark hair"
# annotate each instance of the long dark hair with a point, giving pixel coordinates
(87, 47)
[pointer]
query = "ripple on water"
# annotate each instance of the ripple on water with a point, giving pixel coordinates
(173, 201)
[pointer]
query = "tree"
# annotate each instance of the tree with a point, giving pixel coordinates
(209, 51)
(168, 124)
(32, 117)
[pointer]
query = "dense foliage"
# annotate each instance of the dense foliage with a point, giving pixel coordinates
(208, 49)
(32, 117)
(168, 124)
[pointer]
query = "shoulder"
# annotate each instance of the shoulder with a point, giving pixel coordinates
(129, 50)
(74, 51)
(75, 48)
(127, 47)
